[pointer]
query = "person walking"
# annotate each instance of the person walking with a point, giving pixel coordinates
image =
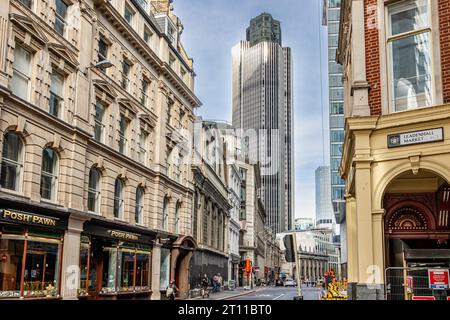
(220, 282)
(215, 282)
(205, 285)
(171, 290)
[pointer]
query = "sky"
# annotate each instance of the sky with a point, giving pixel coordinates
(213, 27)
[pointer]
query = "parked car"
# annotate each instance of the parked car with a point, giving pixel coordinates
(289, 283)
(279, 283)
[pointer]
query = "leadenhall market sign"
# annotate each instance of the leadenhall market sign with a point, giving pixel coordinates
(415, 137)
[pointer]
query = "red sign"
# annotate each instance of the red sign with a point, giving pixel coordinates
(248, 267)
(438, 278)
(423, 298)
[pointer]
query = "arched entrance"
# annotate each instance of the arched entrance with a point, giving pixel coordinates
(182, 250)
(416, 230)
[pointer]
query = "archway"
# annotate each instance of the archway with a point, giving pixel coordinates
(416, 218)
(182, 250)
(416, 232)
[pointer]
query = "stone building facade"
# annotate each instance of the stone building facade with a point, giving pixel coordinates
(95, 98)
(396, 152)
(211, 213)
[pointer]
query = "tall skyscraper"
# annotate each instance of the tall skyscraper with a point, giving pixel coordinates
(324, 210)
(331, 13)
(262, 99)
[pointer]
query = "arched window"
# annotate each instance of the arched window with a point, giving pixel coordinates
(12, 162)
(49, 174)
(139, 205)
(177, 217)
(94, 191)
(165, 217)
(118, 198)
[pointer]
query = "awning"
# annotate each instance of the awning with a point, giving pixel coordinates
(427, 254)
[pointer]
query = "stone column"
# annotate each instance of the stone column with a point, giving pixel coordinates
(156, 271)
(70, 275)
(378, 251)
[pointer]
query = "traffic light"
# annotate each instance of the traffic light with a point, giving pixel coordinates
(289, 245)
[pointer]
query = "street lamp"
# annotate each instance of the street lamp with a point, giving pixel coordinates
(104, 64)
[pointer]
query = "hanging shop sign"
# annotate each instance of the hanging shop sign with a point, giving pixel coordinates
(29, 218)
(415, 137)
(438, 278)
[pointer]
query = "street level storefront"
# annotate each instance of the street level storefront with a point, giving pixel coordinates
(115, 262)
(31, 247)
(397, 172)
(209, 262)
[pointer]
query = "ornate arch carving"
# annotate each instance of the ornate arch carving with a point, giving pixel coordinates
(409, 216)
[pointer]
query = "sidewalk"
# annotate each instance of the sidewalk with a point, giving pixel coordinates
(228, 294)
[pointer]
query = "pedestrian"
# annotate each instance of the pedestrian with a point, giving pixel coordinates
(215, 282)
(220, 281)
(171, 290)
(205, 285)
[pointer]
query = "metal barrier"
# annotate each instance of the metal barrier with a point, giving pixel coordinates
(405, 283)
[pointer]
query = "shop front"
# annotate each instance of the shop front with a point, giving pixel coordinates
(31, 246)
(115, 262)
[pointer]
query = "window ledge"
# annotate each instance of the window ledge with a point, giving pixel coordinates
(121, 220)
(13, 193)
(51, 202)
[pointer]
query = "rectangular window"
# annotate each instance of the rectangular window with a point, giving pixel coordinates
(60, 16)
(99, 126)
(147, 35)
(337, 108)
(144, 91)
(336, 150)
(172, 61)
(183, 73)
(142, 149)
(337, 136)
(409, 62)
(123, 134)
(20, 82)
(128, 14)
(126, 69)
(171, 34)
(56, 95)
(26, 3)
(102, 50)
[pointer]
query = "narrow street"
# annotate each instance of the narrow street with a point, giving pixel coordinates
(281, 293)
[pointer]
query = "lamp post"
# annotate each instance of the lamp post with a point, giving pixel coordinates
(297, 269)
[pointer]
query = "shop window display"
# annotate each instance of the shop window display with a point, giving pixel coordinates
(39, 277)
(125, 268)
